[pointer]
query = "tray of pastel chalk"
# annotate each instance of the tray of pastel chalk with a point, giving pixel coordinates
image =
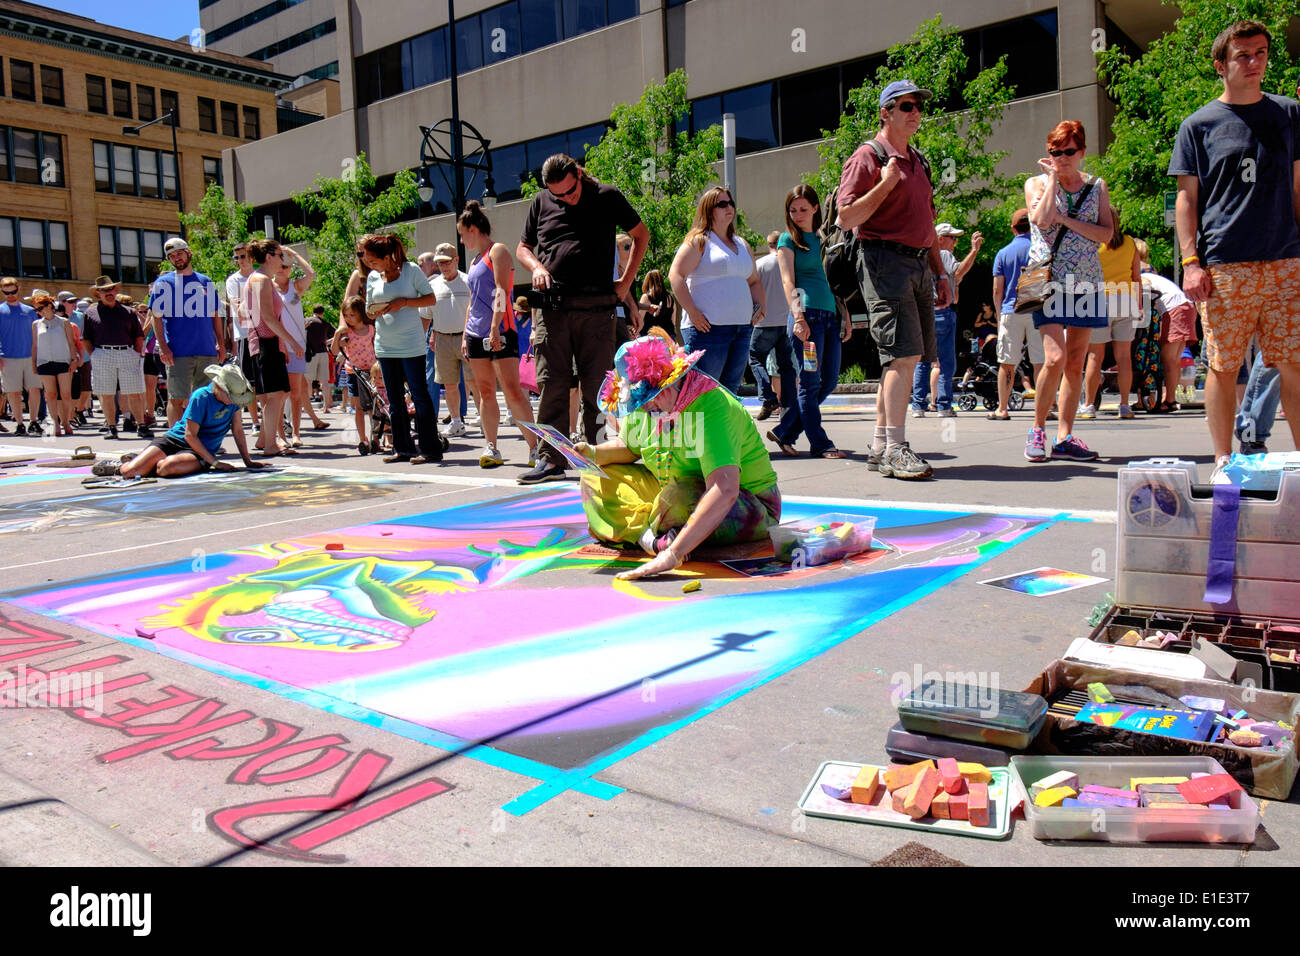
(965, 799)
(1134, 800)
(822, 539)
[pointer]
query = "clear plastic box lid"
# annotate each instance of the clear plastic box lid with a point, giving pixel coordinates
(975, 704)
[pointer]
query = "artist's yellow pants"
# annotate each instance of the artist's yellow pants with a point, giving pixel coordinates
(620, 509)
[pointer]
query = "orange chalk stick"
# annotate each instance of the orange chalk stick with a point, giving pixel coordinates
(902, 775)
(866, 785)
(978, 808)
(959, 806)
(917, 802)
(940, 805)
(898, 799)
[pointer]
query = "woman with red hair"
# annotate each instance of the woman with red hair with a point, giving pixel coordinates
(1069, 218)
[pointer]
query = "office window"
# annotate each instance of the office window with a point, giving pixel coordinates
(469, 44)
(211, 171)
(620, 10)
(96, 94)
(124, 170)
(103, 169)
(581, 16)
(122, 98)
(424, 60)
(541, 23)
(5, 165)
(128, 254)
(8, 247)
(107, 252)
(252, 123)
(51, 85)
(810, 103)
(147, 168)
(500, 27)
(580, 140)
(856, 72)
(22, 80)
(60, 261)
(509, 170)
(229, 120)
(171, 103)
(145, 105)
(541, 149)
(2, 76)
(51, 146)
(1030, 47)
(207, 115)
(26, 158)
(31, 239)
(153, 251)
(706, 112)
(755, 110)
(168, 175)
(298, 39)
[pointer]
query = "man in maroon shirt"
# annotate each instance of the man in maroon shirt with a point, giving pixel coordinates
(891, 212)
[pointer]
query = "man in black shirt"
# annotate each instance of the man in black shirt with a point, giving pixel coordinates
(568, 245)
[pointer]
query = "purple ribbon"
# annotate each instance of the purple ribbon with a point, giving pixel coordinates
(1223, 544)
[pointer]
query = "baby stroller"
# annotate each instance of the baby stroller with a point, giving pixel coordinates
(381, 436)
(982, 382)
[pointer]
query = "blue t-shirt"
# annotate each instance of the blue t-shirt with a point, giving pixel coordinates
(809, 276)
(399, 334)
(187, 305)
(1244, 159)
(16, 330)
(1010, 259)
(214, 416)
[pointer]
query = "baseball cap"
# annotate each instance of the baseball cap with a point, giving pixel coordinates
(444, 253)
(948, 229)
(175, 244)
(66, 296)
(902, 88)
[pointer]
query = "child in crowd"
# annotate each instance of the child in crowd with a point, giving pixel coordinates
(355, 338)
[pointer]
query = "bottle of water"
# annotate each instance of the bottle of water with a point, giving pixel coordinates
(809, 356)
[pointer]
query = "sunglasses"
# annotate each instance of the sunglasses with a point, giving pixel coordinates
(1058, 153)
(724, 204)
(907, 106)
(13, 291)
(568, 192)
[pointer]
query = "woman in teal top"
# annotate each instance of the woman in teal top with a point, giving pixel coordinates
(816, 318)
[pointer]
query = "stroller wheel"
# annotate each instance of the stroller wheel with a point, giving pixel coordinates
(1016, 401)
(990, 402)
(966, 402)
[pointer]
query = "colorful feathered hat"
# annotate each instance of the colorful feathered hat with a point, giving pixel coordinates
(643, 368)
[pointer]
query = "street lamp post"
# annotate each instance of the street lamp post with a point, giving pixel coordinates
(176, 157)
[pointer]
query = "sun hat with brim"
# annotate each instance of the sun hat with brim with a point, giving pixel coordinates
(41, 301)
(945, 229)
(232, 380)
(38, 294)
(104, 283)
(643, 368)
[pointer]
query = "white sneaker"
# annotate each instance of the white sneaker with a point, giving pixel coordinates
(1219, 476)
(490, 457)
(1086, 412)
(532, 457)
(456, 429)
(508, 420)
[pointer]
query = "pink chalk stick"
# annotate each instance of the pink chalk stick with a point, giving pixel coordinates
(949, 775)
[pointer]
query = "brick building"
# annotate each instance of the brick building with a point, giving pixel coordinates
(78, 196)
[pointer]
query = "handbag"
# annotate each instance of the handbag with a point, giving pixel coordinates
(528, 371)
(1034, 285)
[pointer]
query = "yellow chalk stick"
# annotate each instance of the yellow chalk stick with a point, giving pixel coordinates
(1054, 797)
(690, 586)
(974, 772)
(1135, 781)
(866, 785)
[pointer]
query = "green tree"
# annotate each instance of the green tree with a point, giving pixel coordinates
(661, 171)
(1156, 91)
(968, 190)
(212, 231)
(348, 208)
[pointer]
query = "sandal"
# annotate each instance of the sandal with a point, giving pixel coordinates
(786, 447)
(995, 417)
(390, 459)
(832, 453)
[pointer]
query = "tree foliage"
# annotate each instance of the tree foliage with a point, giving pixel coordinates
(348, 207)
(966, 109)
(1156, 91)
(212, 231)
(662, 171)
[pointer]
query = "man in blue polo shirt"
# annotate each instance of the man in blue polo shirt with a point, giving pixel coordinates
(188, 325)
(16, 371)
(1015, 329)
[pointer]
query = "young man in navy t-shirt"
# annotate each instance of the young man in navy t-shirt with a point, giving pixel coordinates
(1015, 329)
(187, 322)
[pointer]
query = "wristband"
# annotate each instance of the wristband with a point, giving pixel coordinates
(1190, 260)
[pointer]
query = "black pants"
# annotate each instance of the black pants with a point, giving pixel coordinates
(561, 338)
(408, 373)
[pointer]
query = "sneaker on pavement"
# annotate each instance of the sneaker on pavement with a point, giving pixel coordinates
(145, 432)
(544, 471)
(1126, 411)
(947, 413)
(1086, 412)
(917, 411)
(1254, 448)
(904, 463)
(1036, 445)
(20, 429)
(456, 429)
(873, 459)
(1219, 476)
(532, 457)
(766, 411)
(490, 457)
(1072, 448)
(446, 418)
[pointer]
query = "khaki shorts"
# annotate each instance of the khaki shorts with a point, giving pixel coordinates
(186, 375)
(18, 376)
(1015, 331)
(899, 294)
(447, 360)
(318, 368)
(1253, 298)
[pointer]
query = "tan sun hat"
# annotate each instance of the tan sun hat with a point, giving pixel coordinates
(232, 380)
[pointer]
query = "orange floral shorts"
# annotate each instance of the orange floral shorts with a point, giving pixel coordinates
(1253, 298)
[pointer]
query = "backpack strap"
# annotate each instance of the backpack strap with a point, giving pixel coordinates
(882, 159)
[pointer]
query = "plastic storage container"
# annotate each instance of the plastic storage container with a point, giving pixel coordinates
(852, 535)
(1237, 824)
(907, 746)
(1001, 718)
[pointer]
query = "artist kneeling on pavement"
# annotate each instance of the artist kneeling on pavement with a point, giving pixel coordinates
(192, 444)
(705, 476)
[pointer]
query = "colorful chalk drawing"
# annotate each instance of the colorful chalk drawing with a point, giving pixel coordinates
(211, 494)
(463, 627)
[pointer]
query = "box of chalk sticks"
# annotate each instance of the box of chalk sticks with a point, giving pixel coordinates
(1134, 800)
(1263, 766)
